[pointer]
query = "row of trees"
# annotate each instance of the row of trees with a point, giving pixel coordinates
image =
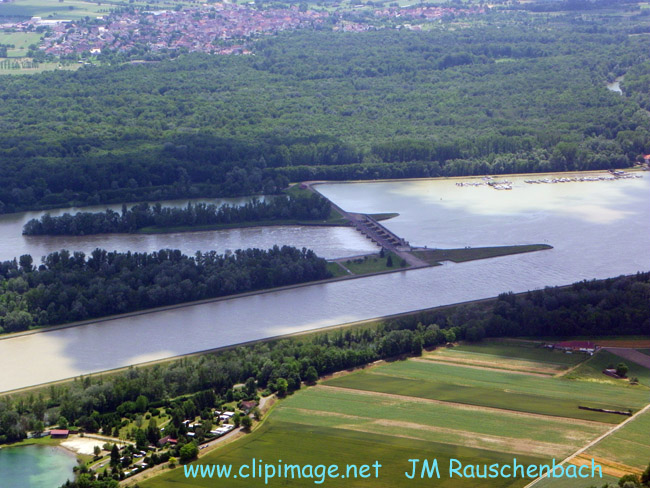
(299, 207)
(614, 306)
(72, 286)
(514, 93)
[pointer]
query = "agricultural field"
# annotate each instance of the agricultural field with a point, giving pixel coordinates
(591, 370)
(629, 446)
(498, 389)
(310, 444)
(422, 409)
(511, 356)
(54, 9)
(571, 483)
(20, 40)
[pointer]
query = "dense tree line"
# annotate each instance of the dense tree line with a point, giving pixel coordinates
(607, 307)
(72, 286)
(516, 92)
(300, 207)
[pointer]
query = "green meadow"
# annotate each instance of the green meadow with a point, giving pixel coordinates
(20, 40)
(531, 351)
(54, 9)
(499, 389)
(630, 445)
(410, 417)
(295, 443)
(402, 410)
(592, 370)
(523, 356)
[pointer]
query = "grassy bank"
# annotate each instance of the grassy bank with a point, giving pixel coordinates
(434, 256)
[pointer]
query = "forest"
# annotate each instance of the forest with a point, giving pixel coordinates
(519, 92)
(294, 207)
(96, 404)
(68, 286)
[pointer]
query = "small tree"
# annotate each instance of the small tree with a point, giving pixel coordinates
(188, 452)
(311, 375)
(389, 261)
(246, 422)
(115, 455)
(173, 462)
(622, 369)
(97, 450)
(282, 385)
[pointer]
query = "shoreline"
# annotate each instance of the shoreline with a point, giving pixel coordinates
(334, 279)
(319, 330)
(635, 168)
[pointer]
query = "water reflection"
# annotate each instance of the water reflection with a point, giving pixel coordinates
(328, 242)
(597, 229)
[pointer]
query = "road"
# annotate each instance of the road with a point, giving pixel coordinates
(593, 443)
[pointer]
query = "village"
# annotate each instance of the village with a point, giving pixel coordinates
(218, 28)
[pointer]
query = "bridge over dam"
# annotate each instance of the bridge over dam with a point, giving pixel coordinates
(377, 232)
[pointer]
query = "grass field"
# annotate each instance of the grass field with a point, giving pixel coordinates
(20, 40)
(409, 417)
(498, 389)
(511, 356)
(592, 370)
(571, 483)
(308, 444)
(54, 9)
(630, 445)
(434, 256)
(373, 264)
(402, 410)
(23, 70)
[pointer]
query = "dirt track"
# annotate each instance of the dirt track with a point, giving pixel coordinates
(631, 355)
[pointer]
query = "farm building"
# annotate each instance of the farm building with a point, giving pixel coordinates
(576, 346)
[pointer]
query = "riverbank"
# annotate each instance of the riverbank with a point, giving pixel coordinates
(359, 271)
(635, 168)
(129, 203)
(358, 324)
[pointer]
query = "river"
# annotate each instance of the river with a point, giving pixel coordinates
(35, 466)
(598, 230)
(328, 242)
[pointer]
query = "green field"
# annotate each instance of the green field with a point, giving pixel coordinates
(630, 445)
(515, 356)
(592, 370)
(336, 270)
(296, 443)
(54, 9)
(498, 389)
(373, 264)
(20, 40)
(571, 483)
(390, 418)
(451, 424)
(522, 350)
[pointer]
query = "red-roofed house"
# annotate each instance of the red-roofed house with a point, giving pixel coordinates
(582, 346)
(59, 433)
